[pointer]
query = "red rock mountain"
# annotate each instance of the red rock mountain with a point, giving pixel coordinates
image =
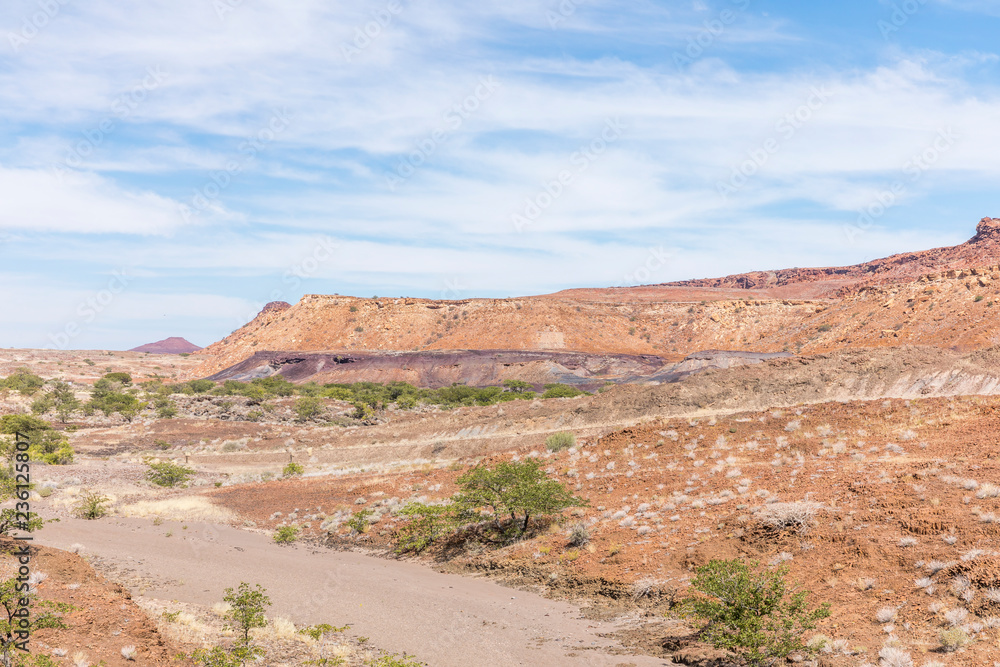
(943, 298)
(172, 345)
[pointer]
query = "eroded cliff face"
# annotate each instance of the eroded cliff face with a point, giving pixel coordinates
(943, 298)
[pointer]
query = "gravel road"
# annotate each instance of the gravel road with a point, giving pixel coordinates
(445, 620)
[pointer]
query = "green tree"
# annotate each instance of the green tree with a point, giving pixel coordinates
(514, 493)
(66, 402)
(517, 386)
(751, 611)
(246, 610)
(124, 379)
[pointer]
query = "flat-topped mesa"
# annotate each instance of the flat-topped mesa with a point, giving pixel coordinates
(988, 229)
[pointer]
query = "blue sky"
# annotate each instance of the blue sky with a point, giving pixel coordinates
(167, 167)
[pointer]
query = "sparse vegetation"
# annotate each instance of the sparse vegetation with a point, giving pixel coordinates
(286, 534)
(559, 441)
(167, 473)
(293, 469)
(92, 505)
(750, 611)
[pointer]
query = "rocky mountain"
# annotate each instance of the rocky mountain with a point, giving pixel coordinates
(942, 298)
(172, 345)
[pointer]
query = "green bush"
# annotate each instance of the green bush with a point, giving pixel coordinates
(360, 521)
(293, 469)
(308, 407)
(561, 391)
(751, 612)
(45, 444)
(23, 381)
(286, 534)
(168, 474)
(92, 506)
(561, 440)
(427, 524)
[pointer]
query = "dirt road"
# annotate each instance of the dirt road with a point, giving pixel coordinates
(443, 619)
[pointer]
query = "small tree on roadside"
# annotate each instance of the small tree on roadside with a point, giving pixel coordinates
(246, 610)
(751, 611)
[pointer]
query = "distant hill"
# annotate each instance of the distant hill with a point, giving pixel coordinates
(944, 298)
(173, 345)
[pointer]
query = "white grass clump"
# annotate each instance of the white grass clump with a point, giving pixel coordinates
(891, 656)
(957, 616)
(886, 614)
(128, 652)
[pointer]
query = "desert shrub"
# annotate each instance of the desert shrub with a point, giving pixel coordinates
(751, 612)
(286, 534)
(92, 506)
(293, 469)
(953, 639)
(561, 440)
(797, 516)
(23, 381)
(168, 473)
(308, 407)
(42, 404)
(360, 521)
(120, 378)
(561, 391)
(579, 535)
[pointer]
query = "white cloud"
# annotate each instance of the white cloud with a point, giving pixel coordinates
(47, 201)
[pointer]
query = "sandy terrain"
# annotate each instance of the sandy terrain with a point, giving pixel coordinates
(446, 620)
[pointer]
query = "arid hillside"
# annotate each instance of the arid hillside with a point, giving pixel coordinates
(942, 298)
